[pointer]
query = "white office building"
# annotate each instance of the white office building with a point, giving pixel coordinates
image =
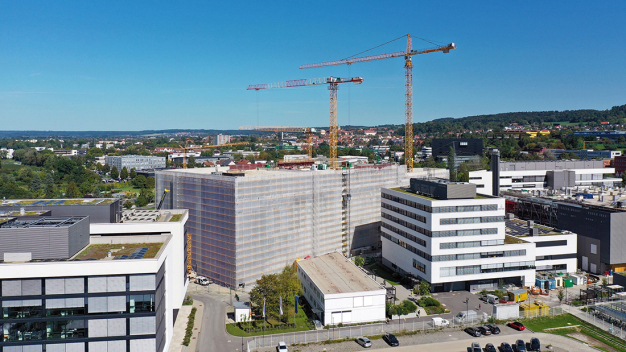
(339, 292)
(114, 287)
(453, 238)
(137, 162)
(540, 175)
(222, 139)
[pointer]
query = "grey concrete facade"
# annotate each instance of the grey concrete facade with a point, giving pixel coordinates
(107, 211)
(601, 235)
(61, 242)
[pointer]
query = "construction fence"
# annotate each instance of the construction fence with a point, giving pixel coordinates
(352, 332)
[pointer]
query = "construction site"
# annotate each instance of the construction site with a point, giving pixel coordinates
(247, 224)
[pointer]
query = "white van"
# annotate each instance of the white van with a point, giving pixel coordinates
(201, 280)
(440, 322)
(493, 299)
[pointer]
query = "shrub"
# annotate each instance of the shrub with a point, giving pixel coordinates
(428, 302)
(190, 323)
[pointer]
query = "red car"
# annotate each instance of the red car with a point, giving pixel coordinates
(516, 325)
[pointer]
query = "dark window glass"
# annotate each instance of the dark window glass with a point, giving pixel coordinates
(23, 331)
(66, 329)
(21, 312)
(142, 303)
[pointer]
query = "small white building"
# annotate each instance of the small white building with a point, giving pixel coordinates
(242, 311)
(339, 292)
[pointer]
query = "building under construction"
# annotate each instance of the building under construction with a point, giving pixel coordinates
(247, 224)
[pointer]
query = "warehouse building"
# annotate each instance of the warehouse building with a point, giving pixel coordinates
(137, 162)
(120, 292)
(247, 224)
(339, 292)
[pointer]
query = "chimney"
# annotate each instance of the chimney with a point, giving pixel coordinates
(533, 232)
(531, 224)
(495, 172)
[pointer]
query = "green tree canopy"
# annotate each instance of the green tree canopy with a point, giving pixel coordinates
(124, 173)
(133, 173)
(115, 174)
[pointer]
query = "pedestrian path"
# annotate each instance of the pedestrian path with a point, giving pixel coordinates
(180, 327)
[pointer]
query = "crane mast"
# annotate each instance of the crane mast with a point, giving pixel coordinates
(408, 85)
(333, 86)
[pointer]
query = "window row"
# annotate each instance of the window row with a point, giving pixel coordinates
(404, 212)
(483, 255)
(405, 234)
(470, 244)
(485, 268)
(447, 209)
(59, 307)
(475, 220)
(450, 233)
(75, 285)
(407, 246)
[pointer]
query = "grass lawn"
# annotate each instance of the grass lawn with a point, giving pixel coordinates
(301, 325)
(384, 273)
(577, 326)
(100, 251)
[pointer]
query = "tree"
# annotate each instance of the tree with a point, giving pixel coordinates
(36, 183)
(560, 295)
(133, 173)
(128, 204)
(115, 174)
(451, 165)
(140, 181)
(271, 287)
(72, 190)
(191, 162)
(359, 261)
(624, 179)
(124, 173)
(106, 168)
(141, 201)
(424, 288)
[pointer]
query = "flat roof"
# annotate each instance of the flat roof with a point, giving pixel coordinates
(119, 251)
(333, 273)
(42, 222)
(140, 215)
(519, 228)
(47, 202)
(408, 191)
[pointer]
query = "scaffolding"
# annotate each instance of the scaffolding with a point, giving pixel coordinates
(247, 226)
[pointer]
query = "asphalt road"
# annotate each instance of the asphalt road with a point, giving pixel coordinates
(213, 337)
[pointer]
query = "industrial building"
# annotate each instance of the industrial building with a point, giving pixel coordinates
(98, 209)
(612, 135)
(247, 224)
(539, 175)
(447, 234)
(339, 292)
(137, 162)
(599, 219)
(120, 292)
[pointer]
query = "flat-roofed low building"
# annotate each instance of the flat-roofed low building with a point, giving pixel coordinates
(120, 292)
(98, 209)
(340, 292)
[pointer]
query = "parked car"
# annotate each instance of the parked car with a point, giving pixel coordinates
(364, 341)
(473, 331)
(476, 347)
(282, 347)
(484, 330)
(391, 340)
(516, 325)
(493, 328)
(520, 346)
(505, 347)
(490, 348)
(534, 344)
(201, 280)
(440, 322)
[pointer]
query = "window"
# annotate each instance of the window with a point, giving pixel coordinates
(66, 329)
(594, 249)
(446, 272)
(419, 266)
(22, 309)
(24, 331)
(142, 303)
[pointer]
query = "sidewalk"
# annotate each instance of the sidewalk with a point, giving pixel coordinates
(180, 327)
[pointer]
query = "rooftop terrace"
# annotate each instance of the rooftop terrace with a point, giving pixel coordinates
(119, 251)
(519, 228)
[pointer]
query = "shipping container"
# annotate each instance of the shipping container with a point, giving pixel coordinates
(518, 295)
(568, 282)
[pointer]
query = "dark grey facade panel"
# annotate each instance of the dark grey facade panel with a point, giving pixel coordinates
(551, 243)
(618, 238)
(462, 146)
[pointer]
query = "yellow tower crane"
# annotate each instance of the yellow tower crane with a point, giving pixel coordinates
(408, 93)
(333, 83)
(308, 130)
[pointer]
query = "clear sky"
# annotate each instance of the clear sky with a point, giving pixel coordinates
(135, 65)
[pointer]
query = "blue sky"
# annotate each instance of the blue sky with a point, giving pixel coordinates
(120, 65)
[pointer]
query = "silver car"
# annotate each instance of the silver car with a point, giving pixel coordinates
(364, 341)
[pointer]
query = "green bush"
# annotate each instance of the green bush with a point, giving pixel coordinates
(190, 323)
(428, 302)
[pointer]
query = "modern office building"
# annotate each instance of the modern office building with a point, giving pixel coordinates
(120, 292)
(619, 162)
(464, 148)
(138, 162)
(247, 224)
(339, 292)
(585, 154)
(452, 237)
(539, 175)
